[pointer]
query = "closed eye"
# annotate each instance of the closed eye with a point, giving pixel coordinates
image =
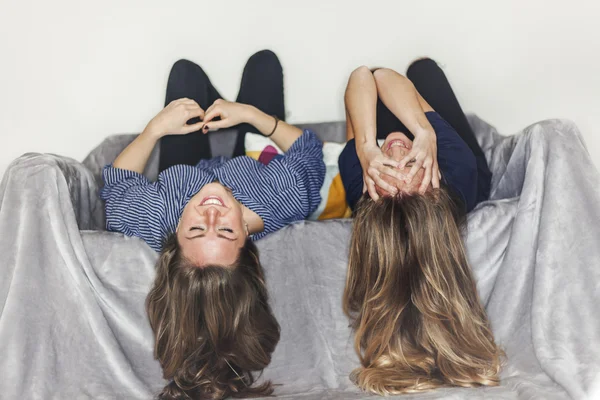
(199, 228)
(226, 230)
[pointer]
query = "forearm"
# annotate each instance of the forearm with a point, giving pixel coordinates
(401, 97)
(284, 136)
(135, 156)
(361, 104)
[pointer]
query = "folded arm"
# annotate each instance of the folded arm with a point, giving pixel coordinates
(172, 120)
(133, 205)
(361, 125)
(304, 159)
(401, 97)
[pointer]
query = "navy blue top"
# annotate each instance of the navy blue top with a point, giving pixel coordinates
(283, 191)
(455, 160)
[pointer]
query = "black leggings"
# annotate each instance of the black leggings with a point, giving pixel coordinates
(431, 82)
(262, 87)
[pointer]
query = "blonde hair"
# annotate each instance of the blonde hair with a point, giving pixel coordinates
(412, 300)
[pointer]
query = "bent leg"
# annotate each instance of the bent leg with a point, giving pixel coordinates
(261, 87)
(187, 79)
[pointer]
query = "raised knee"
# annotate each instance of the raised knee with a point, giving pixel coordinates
(362, 70)
(382, 75)
(264, 56)
(185, 68)
(380, 72)
(183, 64)
(420, 60)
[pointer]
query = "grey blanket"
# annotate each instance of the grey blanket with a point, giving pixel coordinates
(72, 320)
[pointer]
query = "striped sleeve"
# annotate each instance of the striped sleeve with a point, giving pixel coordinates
(135, 206)
(303, 164)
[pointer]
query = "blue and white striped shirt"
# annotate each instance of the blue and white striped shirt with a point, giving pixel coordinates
(281, 192)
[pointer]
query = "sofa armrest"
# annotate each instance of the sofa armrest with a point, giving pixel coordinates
(43, 175)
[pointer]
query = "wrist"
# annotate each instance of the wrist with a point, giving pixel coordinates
(251, 115)
(366, 140)
(363, 147)
(261, 121)
(424, 132)
(152, 132)
(366, 151)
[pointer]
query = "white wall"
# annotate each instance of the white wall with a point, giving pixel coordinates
(73, 72)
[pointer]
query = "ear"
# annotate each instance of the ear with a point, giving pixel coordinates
(178, 223)
(246, 228)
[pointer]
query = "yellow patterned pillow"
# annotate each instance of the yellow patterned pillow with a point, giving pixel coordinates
(333, 196)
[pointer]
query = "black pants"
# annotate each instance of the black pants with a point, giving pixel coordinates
(431, 82)
(262, 87)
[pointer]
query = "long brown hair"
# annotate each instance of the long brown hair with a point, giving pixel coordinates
(213, 325)
(412, 300)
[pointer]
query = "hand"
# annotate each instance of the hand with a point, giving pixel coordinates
(172, 120)
(374, 163)
(424, 152)
(230, 113)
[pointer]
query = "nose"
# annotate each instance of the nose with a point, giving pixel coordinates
(397, 153)
(211, 214)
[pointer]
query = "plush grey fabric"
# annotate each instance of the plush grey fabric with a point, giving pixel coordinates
(72, 322)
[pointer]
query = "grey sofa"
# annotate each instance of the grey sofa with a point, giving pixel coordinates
(73, 326)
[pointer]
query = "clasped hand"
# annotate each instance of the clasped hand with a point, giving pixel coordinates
(173, 119)
(375, 164)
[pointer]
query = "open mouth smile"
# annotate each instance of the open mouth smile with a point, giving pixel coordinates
(212, 201)
(397, 143)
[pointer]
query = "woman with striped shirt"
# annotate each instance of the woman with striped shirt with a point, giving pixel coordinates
(209, 306)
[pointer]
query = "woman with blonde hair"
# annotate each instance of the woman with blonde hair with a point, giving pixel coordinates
(410, 293)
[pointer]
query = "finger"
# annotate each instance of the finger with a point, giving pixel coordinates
(435, 176)
(190, 103)
(413, 171)
(426, 180)
(393, 172)
(372, 190)
(195, 112)
(386, 161)
(215, 125)
(192, 106)
(192, 128)
(407, 158)
(187, 101)
(209, 109)
(386, 186)
(212, 113)
(375, 176)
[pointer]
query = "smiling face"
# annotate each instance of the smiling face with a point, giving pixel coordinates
(212, 229)
(397, 146)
